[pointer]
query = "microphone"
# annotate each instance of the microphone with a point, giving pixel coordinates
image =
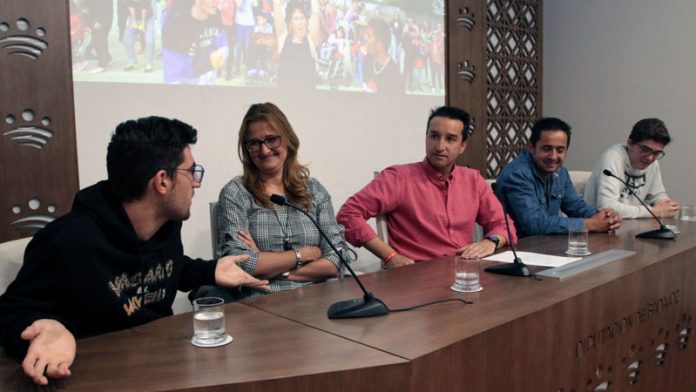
(663, 232)
(368, 305)
(518, 267)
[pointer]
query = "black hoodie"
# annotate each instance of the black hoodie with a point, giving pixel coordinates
(89, 270)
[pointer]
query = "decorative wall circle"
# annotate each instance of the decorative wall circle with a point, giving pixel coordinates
(34, 204)
(22, 24)
(28, 115)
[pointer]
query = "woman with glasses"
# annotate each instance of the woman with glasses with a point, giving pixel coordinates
(636, 162)
(283, 244)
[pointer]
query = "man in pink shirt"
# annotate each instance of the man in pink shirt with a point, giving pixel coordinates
(432, 205)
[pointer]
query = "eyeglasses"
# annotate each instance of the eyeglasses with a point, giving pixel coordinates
(647, 151)
(254, 145)
(197, 172)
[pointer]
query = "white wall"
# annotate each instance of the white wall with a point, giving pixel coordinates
(344, 137)
(609, 63)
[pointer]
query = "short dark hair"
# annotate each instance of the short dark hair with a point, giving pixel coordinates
(139, 148)
(381, 29)
(650, 129)
(453, 113)
(297, 5)
(548, 124)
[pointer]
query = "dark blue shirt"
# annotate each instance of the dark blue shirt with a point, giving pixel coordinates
(535, 200)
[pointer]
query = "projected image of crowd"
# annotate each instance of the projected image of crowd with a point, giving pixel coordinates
(388, 46)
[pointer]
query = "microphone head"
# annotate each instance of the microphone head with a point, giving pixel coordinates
(278, 199)
(608, 173)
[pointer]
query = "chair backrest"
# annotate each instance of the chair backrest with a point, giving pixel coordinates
(478, 229)
(214, 234)
(579, 179)
(11, 259)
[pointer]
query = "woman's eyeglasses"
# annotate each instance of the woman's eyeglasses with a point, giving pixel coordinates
(254, 145)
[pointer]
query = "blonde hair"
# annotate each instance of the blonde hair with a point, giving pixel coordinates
(295, 175)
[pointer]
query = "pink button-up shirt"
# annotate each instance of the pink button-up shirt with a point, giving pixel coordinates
(430, 215)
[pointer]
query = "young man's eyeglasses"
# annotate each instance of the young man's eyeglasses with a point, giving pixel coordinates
(254, 145)
(647, 151)
(197, 172)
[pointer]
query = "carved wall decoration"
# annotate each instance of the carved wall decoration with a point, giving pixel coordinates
(503, 40)
(465, 18)
(23, 42)
(38, 155)
(33, 218)
(28, 134)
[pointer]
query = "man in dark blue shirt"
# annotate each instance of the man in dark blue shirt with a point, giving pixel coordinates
(535, 188)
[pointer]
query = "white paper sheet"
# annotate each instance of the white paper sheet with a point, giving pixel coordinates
(531, 258)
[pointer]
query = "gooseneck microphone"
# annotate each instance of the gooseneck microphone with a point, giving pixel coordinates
(517, 267)
(368, 305)
(663, 232)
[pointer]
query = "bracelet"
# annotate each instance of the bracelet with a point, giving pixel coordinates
(298, 259)
(390, 256)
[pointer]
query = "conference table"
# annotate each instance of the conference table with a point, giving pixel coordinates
(623, 326)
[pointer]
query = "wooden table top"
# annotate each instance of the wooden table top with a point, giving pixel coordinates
(159, 356)
(285, 341)
(503, 299)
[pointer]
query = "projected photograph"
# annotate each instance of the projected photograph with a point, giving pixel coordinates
(387, 46)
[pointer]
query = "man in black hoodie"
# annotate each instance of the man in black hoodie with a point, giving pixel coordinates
(116, 259)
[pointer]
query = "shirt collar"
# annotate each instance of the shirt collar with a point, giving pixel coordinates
(538, 173)
(435, 175)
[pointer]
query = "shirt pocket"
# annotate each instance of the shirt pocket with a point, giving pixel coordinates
(555, 202)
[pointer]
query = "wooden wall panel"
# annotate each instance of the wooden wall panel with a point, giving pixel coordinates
(495, 73)
(38, 157)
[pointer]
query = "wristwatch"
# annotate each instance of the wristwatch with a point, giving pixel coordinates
(495, 240)
(298, 258)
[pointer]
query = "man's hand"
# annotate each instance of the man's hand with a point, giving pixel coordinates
(613, 218)
(666, 208)
(479, 249)
(605, 219)
(51, 350)
(398, 261)
(228, 273)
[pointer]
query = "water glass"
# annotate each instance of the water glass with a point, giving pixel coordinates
(578, 242)
(467, 275)
(208, 320)
(688, 213)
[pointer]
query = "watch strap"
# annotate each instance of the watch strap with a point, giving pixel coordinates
(495, 240)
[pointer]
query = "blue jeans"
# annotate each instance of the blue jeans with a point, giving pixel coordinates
(130, 35)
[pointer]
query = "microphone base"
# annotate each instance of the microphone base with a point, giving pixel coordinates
(662, 233)
(367, 306)
(514, 269)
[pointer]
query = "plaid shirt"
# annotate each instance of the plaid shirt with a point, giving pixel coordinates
(237, 210)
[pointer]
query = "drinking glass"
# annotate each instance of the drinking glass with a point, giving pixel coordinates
(208, 321)
(467, 275)
(578, 242)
